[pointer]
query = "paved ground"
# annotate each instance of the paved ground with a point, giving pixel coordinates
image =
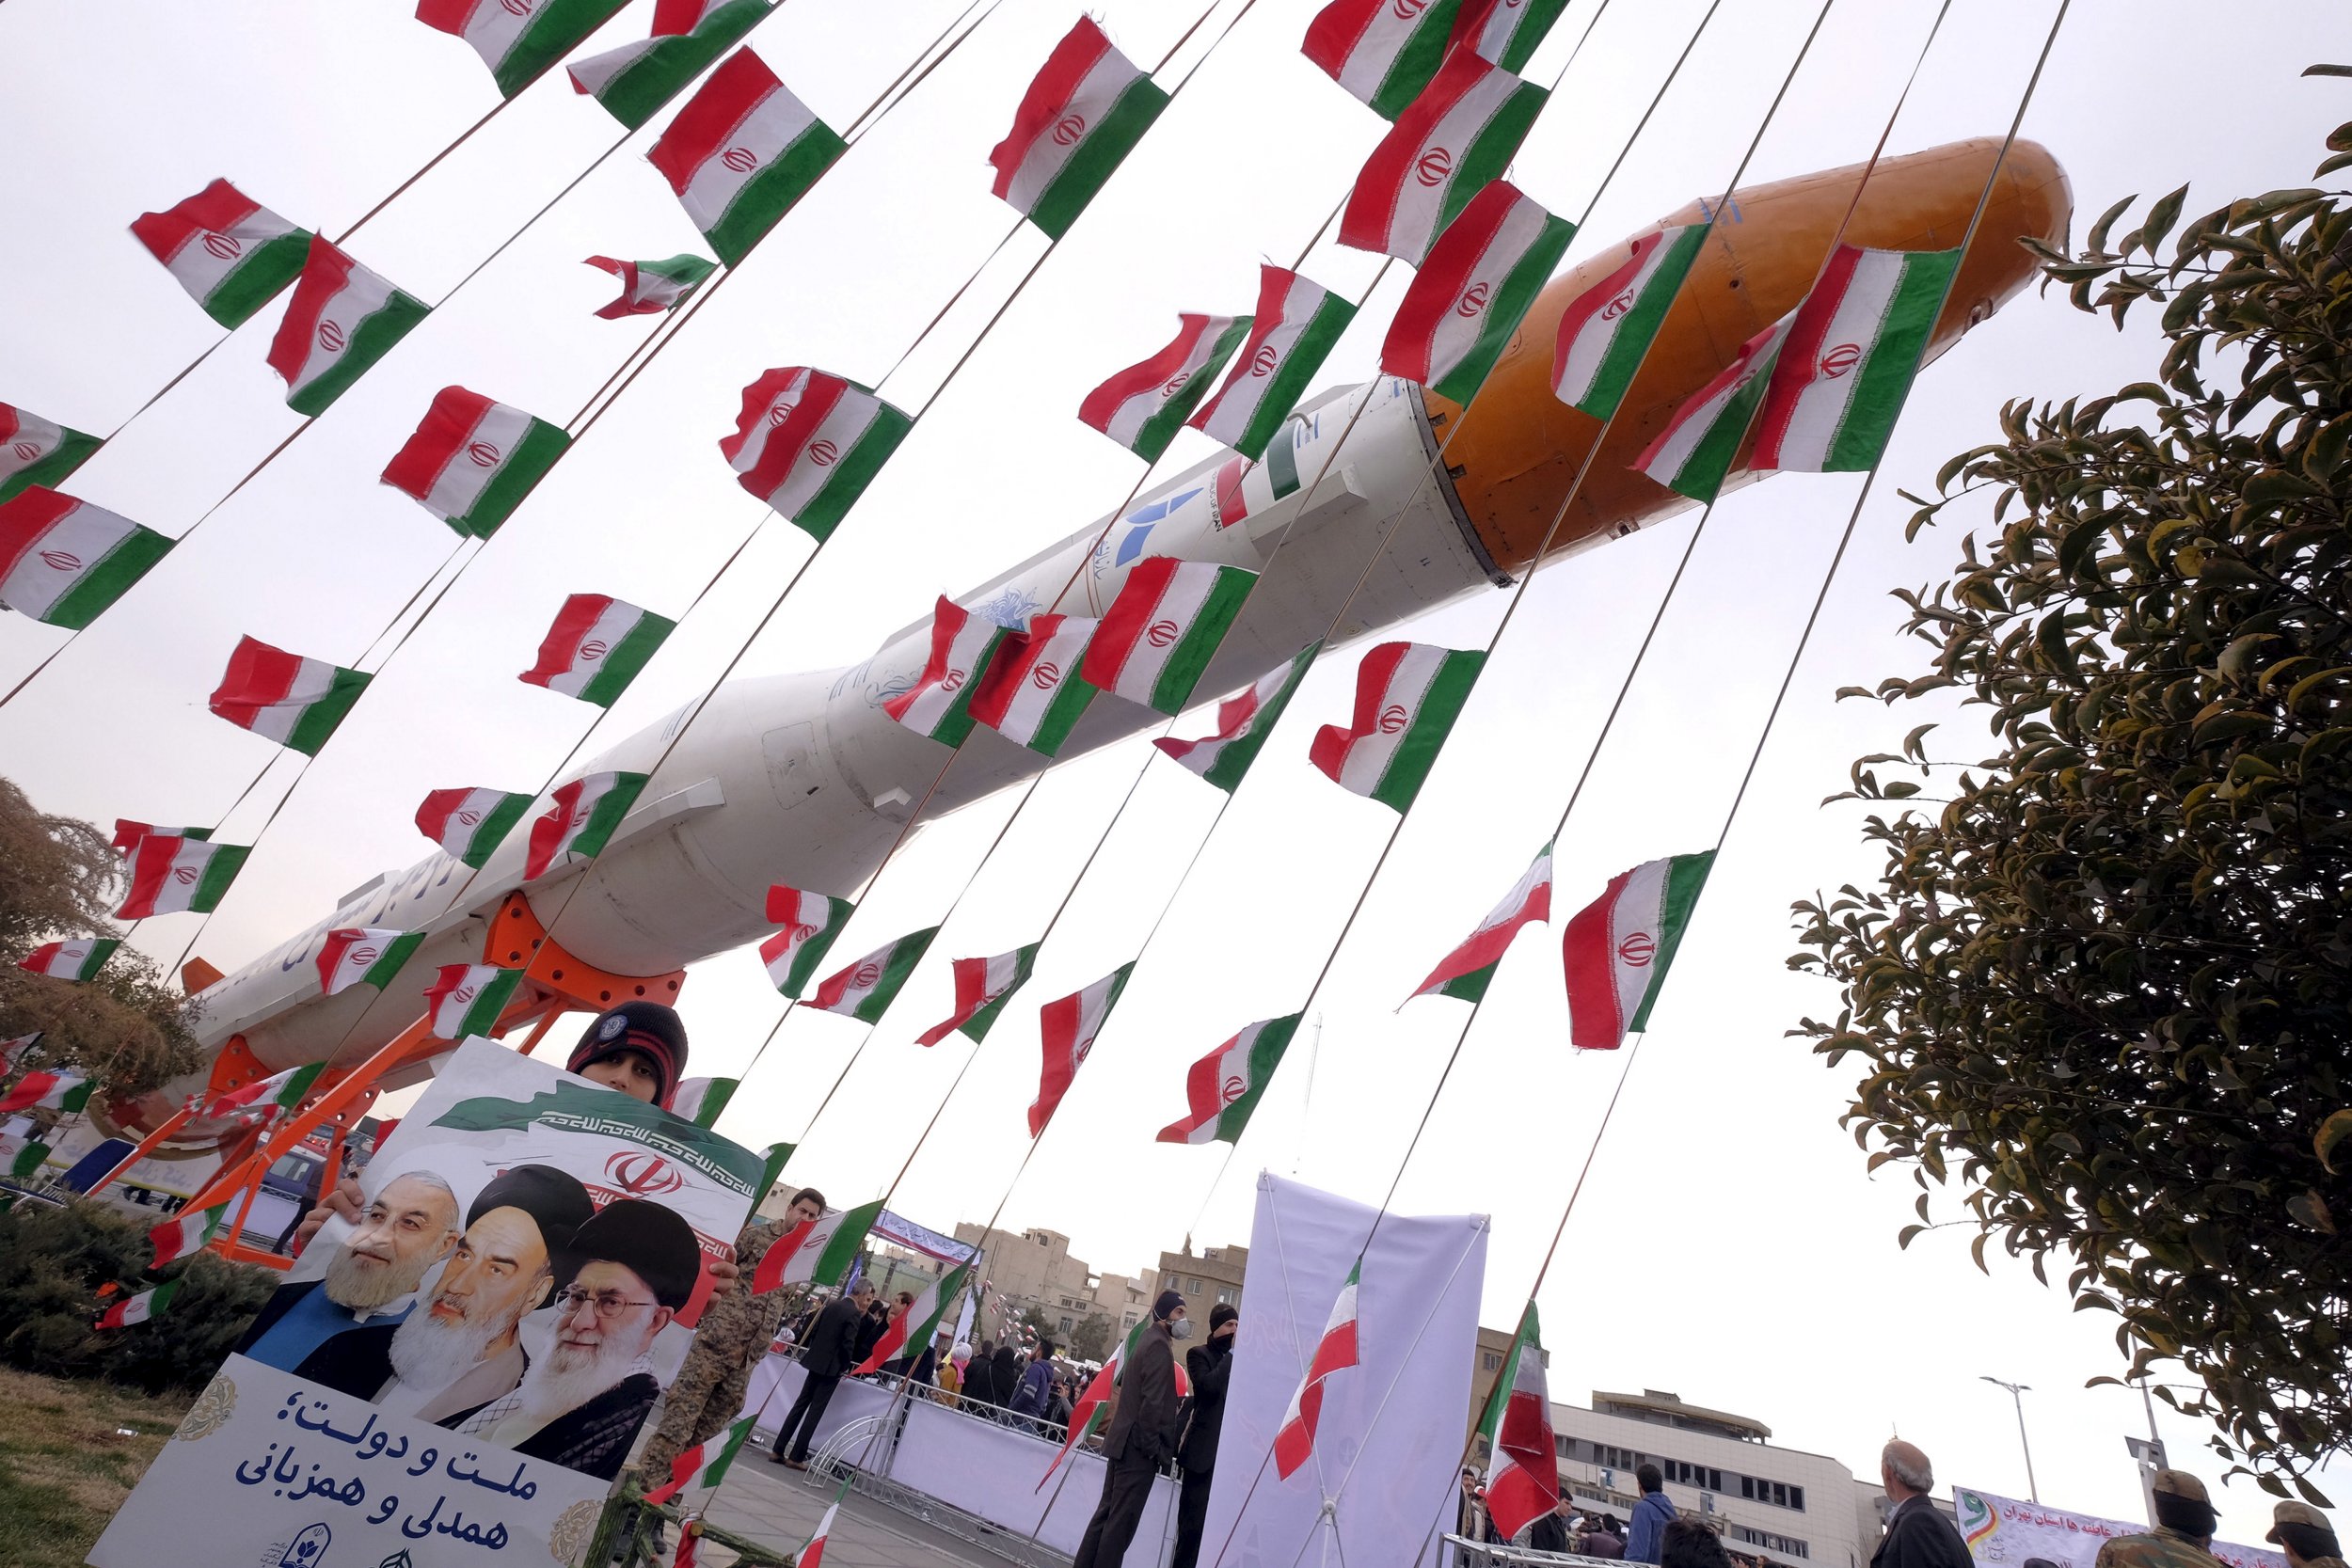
(766, 1502)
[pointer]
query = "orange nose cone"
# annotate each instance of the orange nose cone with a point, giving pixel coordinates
(1517, 449)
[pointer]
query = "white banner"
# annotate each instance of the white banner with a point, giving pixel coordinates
(2007, 1531)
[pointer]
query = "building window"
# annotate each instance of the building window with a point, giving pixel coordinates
(1785, 1544)
(1691, 1475)
(1488, 1360)
(1564, 1445)
(1623, 1459)
(1779, 1494)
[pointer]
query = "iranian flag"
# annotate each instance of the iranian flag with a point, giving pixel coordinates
(228, 250)
(1093, 1407)
(1086, 110)
(1297, 324)
(918, 1326)
(1694, 454)
(1295, 1439)
(137, 1309)
(1466, 972)
(472, 461)
(809, 444)
(742, 152)
(466, 1000)
(1407, 695)
(1224, 1086)
(1846, 366)
(649, 287)
(939, 703)
(65, 562)
(596, 647)
(56, 1089)
(1462, 131)
(184, 1233)
(815, 1252)
(79, 959)
(636, 79)
(580, 819)
(469, 824)
(701, 1100)
(983, 986)
(128, 833)
(1617, 948)
(364, 956)
(1507, 32)
(1144, 405)
(342, 320)
(772, 1160)
(704, 1464)
(1464, 306)
(34, 451)
(811, 921)
(1244, 489)
(865, 989)
(172, 875)
(285, 697)
(277, 1093)
(1163, 629)
(1522, 1466)
(1383, 52)
(517, 39)
(1069, 1025)
(1607, 329)
(1030, 691)
(1242, 724)
(813, 1554)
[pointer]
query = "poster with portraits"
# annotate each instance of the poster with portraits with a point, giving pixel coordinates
(460, 1373)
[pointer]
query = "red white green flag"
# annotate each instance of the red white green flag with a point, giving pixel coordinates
(1466, 972)
(278, 1093)
(1617, 948)
(364, 956)
(1244, 489)
(169, 875)
(229, 251)
(1163, 629)
(811, 921)
(939, 703)
(64, 561)
(813, 1555)
(1030, 691)
(1846, 367)
(79, 958)
(285, 697)
(1242, 724)
(128, 833)
(649, 287)
(1464, 306)
(580, 819)
(184, 1233)
(517, 39)
(1080, 117)
(1694, 454)
(635, 80)
(1295, 1439)
(1297, 324)
(469, 824)
(742, 152)
(1407, 695)
(1069, 1025)
(809, 444)
(704, 1464)
(916, 1327)
(54, 1089)
(701, 1100)
(342, 320)
(1143, 406)
(1224, 1086)
(466, 1000)
(1508, 31)
(818, 1251)
(472, 461)
(134, 1311)
(596, 647)
(1608, 328)
(865, 989)
(1383, 52)
(1522, 1466)
(983, 986)
(1462, 131)
(34, 451)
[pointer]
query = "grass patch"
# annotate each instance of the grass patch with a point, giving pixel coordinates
(65, 1465)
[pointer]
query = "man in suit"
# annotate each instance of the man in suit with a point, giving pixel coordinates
(1141, 1436)
(1917, 1535)
(1210, 1365)
(827, 1354)
(410, 1225)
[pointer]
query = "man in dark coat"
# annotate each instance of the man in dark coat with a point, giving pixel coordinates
(1141, 1436)
(828, 1353)
(1917, 1535)
(1210, 1365)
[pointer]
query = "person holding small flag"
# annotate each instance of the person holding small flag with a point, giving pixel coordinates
(1141, 1436)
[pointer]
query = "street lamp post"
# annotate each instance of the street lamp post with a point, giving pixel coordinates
(2016, 1393)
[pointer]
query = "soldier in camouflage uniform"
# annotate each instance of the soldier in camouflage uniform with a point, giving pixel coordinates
(736, 1330)
(2306, 1536)
(2184, 1524)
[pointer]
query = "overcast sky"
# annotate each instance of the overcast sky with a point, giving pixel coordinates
(1728, 1245)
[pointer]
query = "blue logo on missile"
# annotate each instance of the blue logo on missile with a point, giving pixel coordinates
(1140, 523)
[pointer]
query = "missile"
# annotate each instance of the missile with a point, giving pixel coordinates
(803, 780)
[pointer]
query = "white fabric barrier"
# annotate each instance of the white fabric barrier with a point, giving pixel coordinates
(777, 1383)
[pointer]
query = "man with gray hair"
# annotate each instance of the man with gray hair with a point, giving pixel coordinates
(409, 1226)
(1917, 1535)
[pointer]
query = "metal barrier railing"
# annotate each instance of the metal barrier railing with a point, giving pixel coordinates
(1499, 1554)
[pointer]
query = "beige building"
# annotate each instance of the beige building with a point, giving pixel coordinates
(1204, 1280)
(1125, 1300)
(1033, 1268)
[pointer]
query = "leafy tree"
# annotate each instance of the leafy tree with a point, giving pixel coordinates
(1091, 1339)
(2106, 987)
